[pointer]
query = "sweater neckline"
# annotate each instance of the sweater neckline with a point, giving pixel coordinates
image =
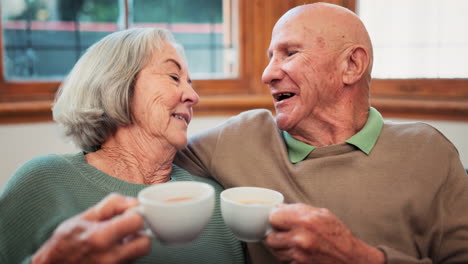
(332, 150)
(109, 183)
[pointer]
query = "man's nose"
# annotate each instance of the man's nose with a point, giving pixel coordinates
(272, 72)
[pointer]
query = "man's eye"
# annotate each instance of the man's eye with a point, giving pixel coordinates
(175, 78)
(290, 53)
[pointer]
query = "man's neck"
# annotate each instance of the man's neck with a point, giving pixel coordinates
(331, 127)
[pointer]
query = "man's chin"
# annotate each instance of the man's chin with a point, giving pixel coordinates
(283, 122)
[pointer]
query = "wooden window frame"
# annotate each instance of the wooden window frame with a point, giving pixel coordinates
(447, 99)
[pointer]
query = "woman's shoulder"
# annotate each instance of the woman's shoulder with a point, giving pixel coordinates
(47, 163)
(41, 168)
(31, 203)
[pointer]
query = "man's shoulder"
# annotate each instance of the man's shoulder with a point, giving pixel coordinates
(410, 128)
(251, 119)
(255, 114)
(415, 132)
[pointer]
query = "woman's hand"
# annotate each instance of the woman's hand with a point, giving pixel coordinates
(105, 233)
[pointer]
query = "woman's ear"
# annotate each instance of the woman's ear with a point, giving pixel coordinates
(357, 62)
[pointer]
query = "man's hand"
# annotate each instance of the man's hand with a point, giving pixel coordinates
(105, 233)
(304, 234)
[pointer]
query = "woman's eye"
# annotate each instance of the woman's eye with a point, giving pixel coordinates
(175, 78)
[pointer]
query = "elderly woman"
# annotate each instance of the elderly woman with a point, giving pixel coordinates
(126, 104)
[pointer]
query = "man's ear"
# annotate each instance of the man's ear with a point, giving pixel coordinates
(357, 62)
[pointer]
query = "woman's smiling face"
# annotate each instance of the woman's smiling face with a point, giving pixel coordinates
(163, 97)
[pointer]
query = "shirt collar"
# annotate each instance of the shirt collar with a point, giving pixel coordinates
(297, 150)
(365, 139)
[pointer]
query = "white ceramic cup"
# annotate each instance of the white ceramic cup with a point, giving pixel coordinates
(176, 212)
(246, 211)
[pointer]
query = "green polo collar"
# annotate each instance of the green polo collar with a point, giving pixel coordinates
(365, 139)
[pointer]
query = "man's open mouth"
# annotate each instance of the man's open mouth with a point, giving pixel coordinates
(282, 96)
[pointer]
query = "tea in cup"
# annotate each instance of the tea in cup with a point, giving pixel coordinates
(246, 211)
(177, 212)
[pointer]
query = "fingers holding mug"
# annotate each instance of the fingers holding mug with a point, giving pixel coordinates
(103, 233)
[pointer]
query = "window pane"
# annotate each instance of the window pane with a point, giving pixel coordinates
(417, 38)
(42, 39)
(206, 28)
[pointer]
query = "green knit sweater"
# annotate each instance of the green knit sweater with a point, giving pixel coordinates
(50, 189)
(409, 196)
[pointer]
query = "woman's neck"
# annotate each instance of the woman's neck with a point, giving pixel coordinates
(132, 156)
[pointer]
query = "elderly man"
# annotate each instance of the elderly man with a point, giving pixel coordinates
(359, 190)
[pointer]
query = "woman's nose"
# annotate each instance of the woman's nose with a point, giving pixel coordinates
(189, 95)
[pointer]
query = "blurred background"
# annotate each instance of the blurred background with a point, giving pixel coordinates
(420, 65)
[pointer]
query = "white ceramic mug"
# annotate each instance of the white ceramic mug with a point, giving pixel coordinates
(246, 211)
(177, 212)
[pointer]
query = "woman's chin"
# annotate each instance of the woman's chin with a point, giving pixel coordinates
(180, 144)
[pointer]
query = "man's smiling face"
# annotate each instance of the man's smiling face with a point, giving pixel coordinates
(303, 75)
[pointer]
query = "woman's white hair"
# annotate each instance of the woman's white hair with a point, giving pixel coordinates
(94, 99)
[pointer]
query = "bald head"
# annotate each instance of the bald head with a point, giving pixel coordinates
(319, 70)
(329, 26)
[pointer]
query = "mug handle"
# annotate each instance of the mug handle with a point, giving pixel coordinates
(146, 231)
